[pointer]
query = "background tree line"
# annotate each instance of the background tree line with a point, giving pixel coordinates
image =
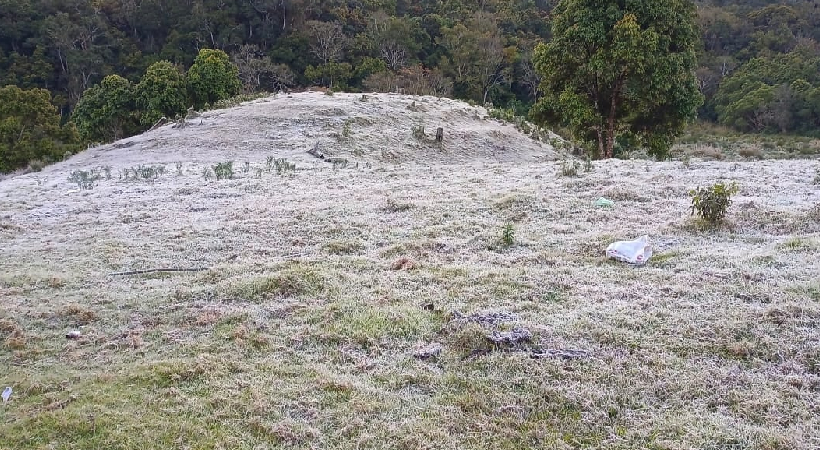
(758, 62)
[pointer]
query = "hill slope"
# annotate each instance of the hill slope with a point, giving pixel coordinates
(375, 128)
(326, 290)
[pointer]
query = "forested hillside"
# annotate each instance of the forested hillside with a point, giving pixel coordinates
(759, 65)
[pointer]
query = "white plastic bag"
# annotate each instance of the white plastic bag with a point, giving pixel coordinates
(633, 252)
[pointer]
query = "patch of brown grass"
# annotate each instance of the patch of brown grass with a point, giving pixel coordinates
(404, 263)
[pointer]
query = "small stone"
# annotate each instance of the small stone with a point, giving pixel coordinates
(73, 334)
(428, 351)
(510, 338)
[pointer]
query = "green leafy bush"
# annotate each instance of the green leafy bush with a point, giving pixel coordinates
(30, 129)
(84, 179)
(224, 170)
(507, 235)
(212, 77)
(711, 203)
(107, 111)
(160, 93)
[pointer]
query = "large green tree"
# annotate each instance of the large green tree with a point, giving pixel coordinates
(620, 67)
(213, 77)
(107, 111)
(160, 93)
(30, 128)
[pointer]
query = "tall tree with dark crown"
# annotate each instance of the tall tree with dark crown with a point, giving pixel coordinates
(620, 68)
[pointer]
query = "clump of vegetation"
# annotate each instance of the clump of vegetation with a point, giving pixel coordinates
(570, 167)
(418, 132)
(281, 165)
(711, 203)
(394, 206)
(224, 170)
(143, 173)
(817, 177)
(213, 78)
(511, 116)
(588, 167)
(507, 236)
(84, 179)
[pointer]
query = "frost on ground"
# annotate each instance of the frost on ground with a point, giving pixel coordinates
(378, 306)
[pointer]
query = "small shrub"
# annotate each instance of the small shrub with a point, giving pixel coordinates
(817, 177)
(710, 203)
(588, 165)
(37, 165)
(224, 170)
(752, 152)
(282, 165)
(507, 236)
(179, 169)
(686, 160)
(418, 132)
(346, 129)
(394, 206)
(206, 173)
(569, 168)
(145, 173)
(247, 167)
(84, 179)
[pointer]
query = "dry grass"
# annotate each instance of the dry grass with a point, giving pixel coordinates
(303, 336)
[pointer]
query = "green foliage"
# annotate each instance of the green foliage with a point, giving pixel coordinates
(30, 129)
(711, 203)
(224, 170)
(773, 94)
(570, 167)
(480, 52)
(84, 179)
(160, 93)
(212, 77)
(281, 165)
(143, 173)
(107, 111)
(477, 58)
(507, 235)
(333, 74)
(620, 67)
(588, 167)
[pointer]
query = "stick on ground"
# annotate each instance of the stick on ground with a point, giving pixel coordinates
(140, 272)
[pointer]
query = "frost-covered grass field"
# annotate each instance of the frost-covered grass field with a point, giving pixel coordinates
(350, 307)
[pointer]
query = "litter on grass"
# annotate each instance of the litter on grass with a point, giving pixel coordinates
(633, 252)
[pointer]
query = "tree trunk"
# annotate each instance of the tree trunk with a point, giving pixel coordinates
(601, 153)
(610, 129)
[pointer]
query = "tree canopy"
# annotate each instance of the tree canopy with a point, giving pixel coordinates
(620, 68)
(474, 50)
(30, 128)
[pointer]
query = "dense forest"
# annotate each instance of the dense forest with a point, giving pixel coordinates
(759, 61)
